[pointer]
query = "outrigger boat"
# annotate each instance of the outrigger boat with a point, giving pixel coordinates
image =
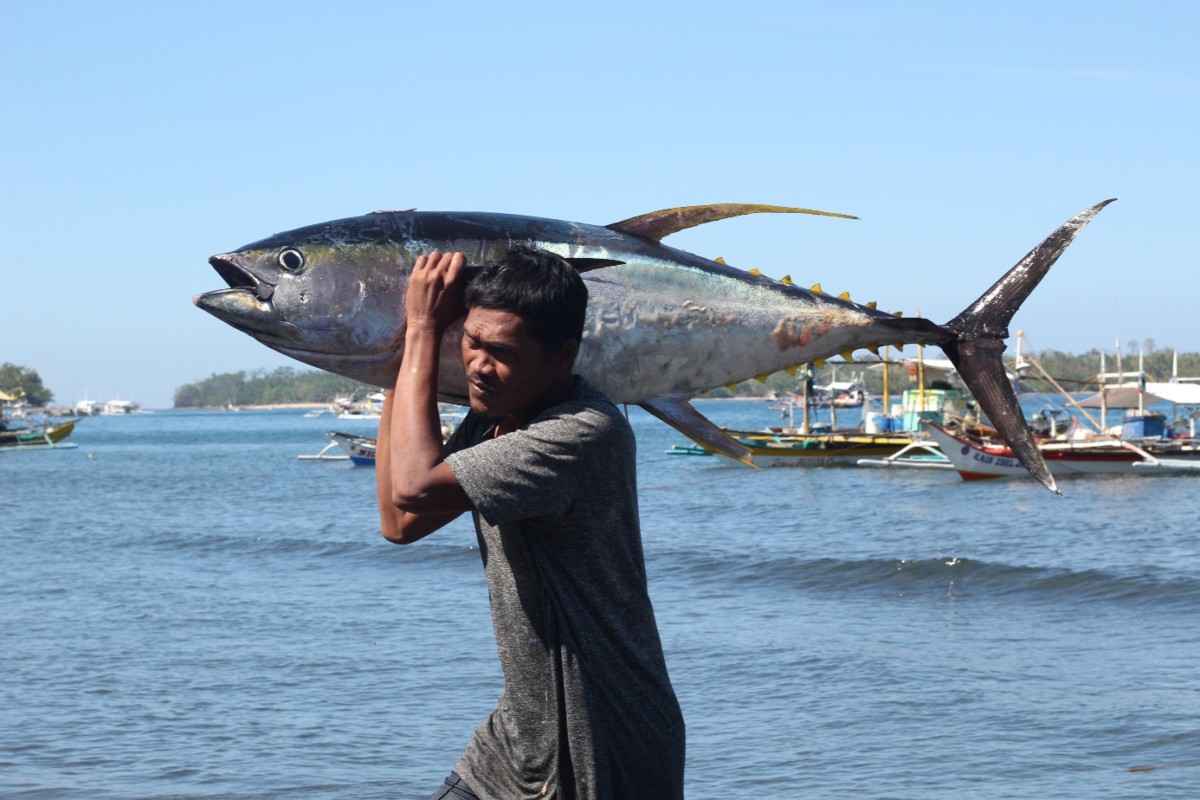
(41, 437)
(878, 437)
(346, 447)
(917, 454)
(360, 449)
(978, 458)
(1141, 444)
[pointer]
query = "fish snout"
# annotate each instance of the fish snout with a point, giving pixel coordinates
(239, 277)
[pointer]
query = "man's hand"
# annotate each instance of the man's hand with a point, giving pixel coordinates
(434, 300)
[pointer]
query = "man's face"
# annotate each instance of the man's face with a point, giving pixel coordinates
(508, 371)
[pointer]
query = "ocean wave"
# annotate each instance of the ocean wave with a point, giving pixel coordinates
(948, 575)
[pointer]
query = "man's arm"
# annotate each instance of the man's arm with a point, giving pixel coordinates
(397, 526)
(417, 491)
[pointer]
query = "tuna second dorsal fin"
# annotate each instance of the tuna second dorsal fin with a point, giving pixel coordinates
(659, 224)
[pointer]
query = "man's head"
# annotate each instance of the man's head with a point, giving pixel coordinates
(540, 288)
(522, 332)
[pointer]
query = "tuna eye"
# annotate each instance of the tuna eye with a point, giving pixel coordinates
(291, 260)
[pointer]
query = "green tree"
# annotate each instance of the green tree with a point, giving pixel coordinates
(24, 383)
(262, 387)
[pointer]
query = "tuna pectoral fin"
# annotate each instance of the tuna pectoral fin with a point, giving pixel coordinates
(981, 330)
(580, 265)
(658, 224)
(679, 414)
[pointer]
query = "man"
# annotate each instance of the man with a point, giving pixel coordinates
(545, 463)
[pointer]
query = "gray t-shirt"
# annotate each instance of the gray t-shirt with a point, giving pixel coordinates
(588, 711)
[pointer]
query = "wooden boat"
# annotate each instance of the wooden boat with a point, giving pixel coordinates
(976, 457)
(878, 437)
(41, 437)
(835, 449)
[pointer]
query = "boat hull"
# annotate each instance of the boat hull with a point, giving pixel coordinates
(41, 438)
(781, 449)
(977, 460)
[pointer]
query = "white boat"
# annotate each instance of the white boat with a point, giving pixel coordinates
(361, 449)
(370, 407)
(116, 408)
(918, 454)
(975, 458)
(345, 447)
(88, 408)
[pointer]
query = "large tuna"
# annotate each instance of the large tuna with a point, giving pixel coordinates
(662, 324)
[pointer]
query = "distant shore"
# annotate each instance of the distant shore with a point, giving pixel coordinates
(309, 406)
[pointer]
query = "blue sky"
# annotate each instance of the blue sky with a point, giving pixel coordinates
(139, 138)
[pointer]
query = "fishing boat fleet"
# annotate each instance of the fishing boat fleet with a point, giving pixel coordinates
(932, 424)
(937, 427)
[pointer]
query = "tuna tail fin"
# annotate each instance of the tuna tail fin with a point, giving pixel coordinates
(980, 332)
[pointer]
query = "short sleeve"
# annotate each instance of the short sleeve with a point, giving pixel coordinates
(532, 472)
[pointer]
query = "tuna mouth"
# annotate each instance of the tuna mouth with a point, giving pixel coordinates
(244, 305)
(239, 278)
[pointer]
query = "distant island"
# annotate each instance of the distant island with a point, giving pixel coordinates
(286, 385)
(280, 386)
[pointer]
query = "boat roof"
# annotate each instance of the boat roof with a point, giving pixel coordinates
(1176, 392)
(1131, 396)
(1121, 397)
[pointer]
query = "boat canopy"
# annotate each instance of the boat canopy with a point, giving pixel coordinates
(1121, 397)
(1182, 394)
(1130, 396)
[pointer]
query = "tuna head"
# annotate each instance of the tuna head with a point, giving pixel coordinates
(327, 296)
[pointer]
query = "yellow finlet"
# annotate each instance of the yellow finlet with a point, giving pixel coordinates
(731, 386)
(786, 280)
(872, 305)
(762, 378)
(754, 271)
(816, 287)
(847, 355)
(844, 296)
(792, 369)
(874, 349)
(818, 363)
(721, 260)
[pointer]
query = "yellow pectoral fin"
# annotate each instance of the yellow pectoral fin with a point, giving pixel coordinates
(679, 414)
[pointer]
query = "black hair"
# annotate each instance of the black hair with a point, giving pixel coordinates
(539, 287)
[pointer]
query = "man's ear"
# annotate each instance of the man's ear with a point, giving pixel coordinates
(566, 354)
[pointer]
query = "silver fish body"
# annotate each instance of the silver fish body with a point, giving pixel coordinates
(662, 324)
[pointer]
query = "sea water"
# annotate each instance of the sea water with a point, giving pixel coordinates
(187, 610)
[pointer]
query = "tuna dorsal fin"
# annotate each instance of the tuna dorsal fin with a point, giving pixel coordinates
(679, 414)
(659, 224)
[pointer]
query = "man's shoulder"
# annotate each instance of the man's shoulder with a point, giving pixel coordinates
(586, 402)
